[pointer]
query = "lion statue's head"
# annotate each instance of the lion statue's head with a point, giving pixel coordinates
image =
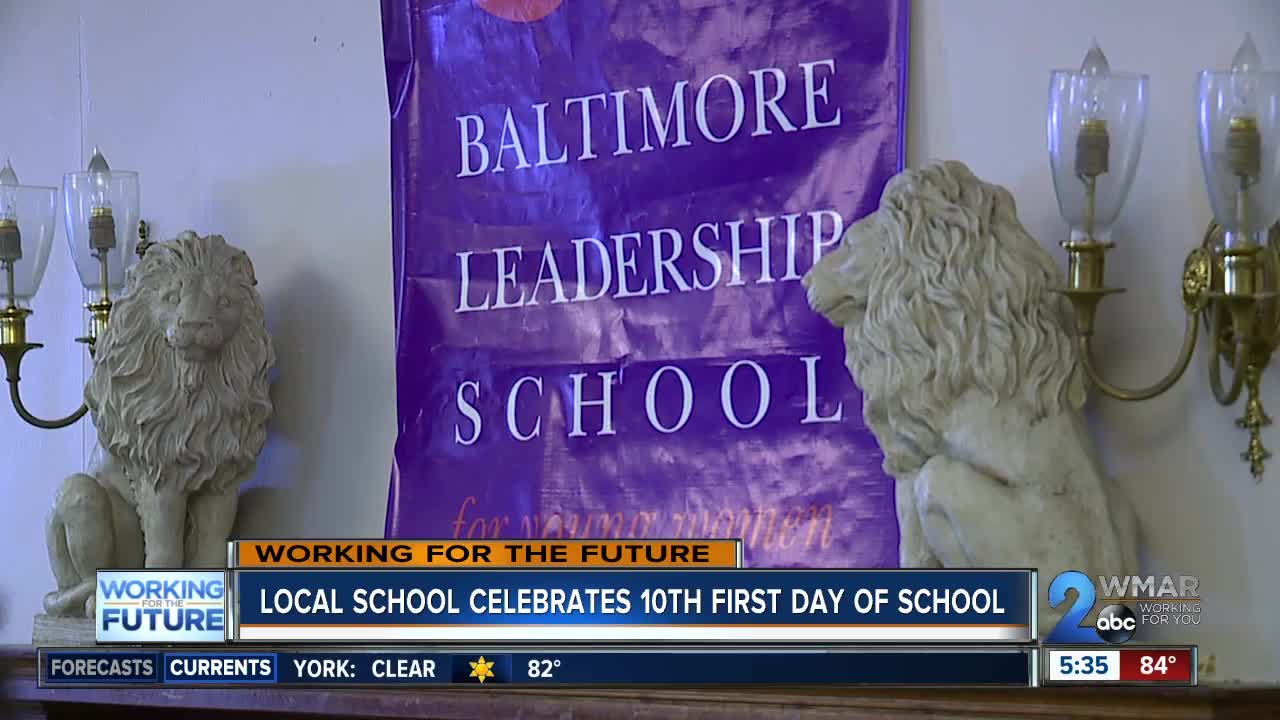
(941, 291)
(179, 389)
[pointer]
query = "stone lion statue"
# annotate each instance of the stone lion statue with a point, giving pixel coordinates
(179, 395)
(971, 383)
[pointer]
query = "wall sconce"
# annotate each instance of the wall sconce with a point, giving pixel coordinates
(101, 207)
(1230, 282)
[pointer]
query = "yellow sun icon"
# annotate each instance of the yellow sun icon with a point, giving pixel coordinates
(481, 669)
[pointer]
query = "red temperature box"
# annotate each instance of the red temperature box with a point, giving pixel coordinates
(1156, 665)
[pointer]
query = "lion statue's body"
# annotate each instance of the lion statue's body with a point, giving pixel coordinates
(971, 382)
(179, 396)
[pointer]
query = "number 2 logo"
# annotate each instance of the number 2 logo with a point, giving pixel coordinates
(1069, 629)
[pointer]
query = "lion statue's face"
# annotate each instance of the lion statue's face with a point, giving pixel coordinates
(198, 313)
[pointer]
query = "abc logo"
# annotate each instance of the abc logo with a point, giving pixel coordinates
(1116, 624)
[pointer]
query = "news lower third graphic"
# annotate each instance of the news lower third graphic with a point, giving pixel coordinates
(1171, 600)
(588, 613)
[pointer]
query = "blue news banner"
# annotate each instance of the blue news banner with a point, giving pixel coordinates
(1000, 666)
(610, 606)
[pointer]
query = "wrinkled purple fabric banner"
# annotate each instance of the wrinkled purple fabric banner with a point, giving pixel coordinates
(602, 211)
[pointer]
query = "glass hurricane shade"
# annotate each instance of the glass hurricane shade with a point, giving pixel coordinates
(34, 210)
(1244, 203)
(1095, 94)
(98, 189)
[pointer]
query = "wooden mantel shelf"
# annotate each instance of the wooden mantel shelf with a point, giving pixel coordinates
(640, 704)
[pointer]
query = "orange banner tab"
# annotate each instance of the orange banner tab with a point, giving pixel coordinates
(701, 554)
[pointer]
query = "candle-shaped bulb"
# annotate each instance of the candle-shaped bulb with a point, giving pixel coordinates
(1094, 72)
(1244, 81)
(8, 194)
(99, 184)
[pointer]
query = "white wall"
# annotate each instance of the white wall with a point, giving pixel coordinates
(267, 122)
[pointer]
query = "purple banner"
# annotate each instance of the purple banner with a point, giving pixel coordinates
(602, 212)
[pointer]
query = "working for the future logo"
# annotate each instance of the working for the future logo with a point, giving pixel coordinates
(161, 606)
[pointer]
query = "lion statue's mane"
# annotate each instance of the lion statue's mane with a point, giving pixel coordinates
(944, 291)
(203, 423)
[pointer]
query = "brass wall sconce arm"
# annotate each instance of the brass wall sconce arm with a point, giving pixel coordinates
(12, 360)
(1085, 291)
(1089, 362)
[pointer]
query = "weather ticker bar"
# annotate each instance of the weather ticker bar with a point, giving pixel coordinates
(407, 667)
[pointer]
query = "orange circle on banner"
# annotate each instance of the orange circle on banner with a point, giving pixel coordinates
(519, 10)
